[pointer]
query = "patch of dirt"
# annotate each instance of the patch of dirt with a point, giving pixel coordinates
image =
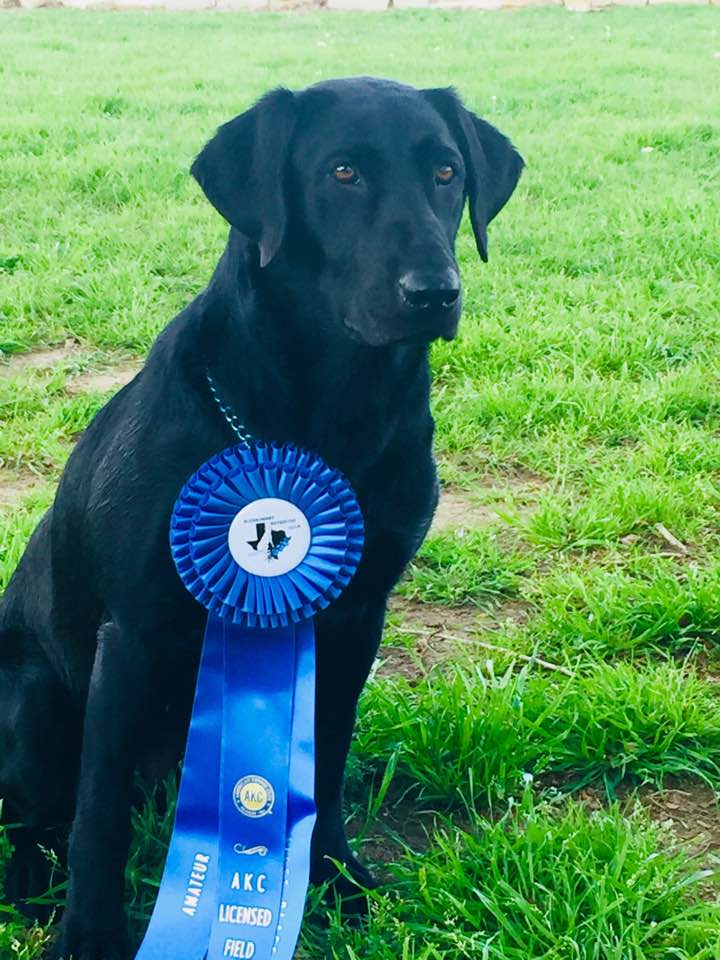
(398, 825)
(662, 542)
(519, 474)
(464, 620)
(707, 663)
(459, 510)
(105, 380)
(412, 662)
(494, 473)
(102, 380)
(45, 358)
(429, 623)
(429, 649)
(15, 486)
(691, 809)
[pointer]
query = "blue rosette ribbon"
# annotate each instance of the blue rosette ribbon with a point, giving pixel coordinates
(264, 536)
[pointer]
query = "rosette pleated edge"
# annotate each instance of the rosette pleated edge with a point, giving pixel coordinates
(231, 480)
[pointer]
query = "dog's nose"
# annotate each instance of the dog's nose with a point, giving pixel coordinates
(424, 291)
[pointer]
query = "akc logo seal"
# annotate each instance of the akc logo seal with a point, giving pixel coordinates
(254, 796)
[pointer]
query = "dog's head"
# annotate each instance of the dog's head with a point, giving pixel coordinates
(362, 183)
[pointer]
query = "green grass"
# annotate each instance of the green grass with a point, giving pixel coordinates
(467, 568)
(468, 737)
(543, 881)
(581, 399)
(648, 604)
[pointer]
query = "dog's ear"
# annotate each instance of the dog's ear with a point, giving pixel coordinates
(493, 165)
(241, 170)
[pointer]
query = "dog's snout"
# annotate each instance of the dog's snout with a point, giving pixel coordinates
(425, 290)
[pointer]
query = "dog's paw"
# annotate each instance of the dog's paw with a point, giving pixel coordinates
(78, 940)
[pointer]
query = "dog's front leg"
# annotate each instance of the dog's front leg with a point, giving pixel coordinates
(94, 925)
(347, 642)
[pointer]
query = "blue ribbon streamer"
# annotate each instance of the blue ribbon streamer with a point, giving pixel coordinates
(238, 864)
(180, 924)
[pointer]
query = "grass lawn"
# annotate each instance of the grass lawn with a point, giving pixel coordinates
(538, 756)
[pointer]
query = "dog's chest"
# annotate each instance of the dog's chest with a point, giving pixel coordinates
(398, 496)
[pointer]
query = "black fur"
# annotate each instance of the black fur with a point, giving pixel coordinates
(315, 326)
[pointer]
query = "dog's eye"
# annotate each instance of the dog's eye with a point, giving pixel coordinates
(344, 173)
(444, 173)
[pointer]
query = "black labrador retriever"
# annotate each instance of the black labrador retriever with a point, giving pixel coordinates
(344, 201)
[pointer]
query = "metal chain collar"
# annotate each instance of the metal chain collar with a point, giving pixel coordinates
(227, 411)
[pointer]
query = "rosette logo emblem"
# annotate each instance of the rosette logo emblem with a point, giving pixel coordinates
(266, 536)
(269, 537)
(254, 796)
